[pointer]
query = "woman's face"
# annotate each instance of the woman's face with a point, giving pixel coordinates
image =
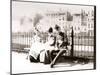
(51, 39)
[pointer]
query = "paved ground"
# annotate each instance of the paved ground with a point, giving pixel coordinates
(21, 65)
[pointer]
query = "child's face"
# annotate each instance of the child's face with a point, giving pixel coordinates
(52, 37)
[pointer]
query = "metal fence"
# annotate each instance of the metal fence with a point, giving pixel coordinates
(82, 45)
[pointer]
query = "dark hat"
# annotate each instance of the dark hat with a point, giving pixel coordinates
(57, 27)
(50, 30)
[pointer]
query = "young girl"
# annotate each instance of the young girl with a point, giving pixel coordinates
(61, 43)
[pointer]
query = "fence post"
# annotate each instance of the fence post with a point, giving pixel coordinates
(72, 45)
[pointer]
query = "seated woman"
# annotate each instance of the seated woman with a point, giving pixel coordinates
(35, 49)
(61, 45)
(49, 45)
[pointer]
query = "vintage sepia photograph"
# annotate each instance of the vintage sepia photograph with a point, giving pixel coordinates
(52, 37)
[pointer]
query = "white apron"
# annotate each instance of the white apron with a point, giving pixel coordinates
(35, 49)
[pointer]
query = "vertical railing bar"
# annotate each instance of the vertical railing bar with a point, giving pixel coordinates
(72, 43)
(27, 39)
(88, 43)
(81, 45)
(94, 37)
(24, 38)
(75, 49)
(78, 44)
(84, 45)
(19, 40)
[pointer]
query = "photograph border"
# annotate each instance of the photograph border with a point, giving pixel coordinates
(59, 4)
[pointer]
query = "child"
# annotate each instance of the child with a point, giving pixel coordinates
(61, 44)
